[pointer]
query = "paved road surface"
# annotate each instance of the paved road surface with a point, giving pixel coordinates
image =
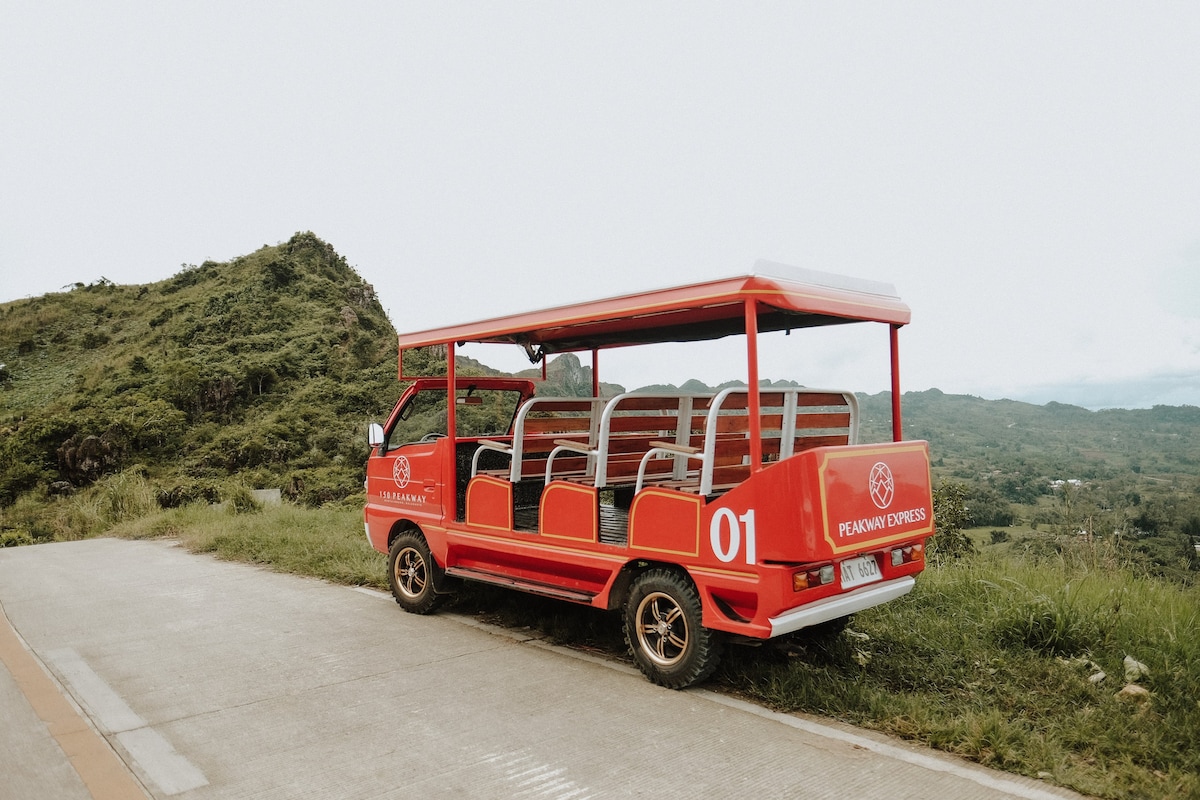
(135, 669)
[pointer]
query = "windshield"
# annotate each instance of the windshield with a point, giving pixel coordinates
(479, 413)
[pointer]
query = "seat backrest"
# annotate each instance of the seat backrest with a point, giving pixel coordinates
(541, 420)
(790, 420)
(631, 421)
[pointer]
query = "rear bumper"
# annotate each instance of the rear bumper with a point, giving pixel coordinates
(840, 605)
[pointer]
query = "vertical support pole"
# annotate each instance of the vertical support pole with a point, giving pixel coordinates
(451, 393)
(754, 409)
(897, 428)
(451, 468)
(595, 373)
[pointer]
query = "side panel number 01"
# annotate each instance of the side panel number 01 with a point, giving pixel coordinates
(725, 534)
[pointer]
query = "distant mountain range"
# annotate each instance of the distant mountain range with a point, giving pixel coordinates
(1175, 389)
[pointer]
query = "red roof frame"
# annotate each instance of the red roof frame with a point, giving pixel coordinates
(784, 297)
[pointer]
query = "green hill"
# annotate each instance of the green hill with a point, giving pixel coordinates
(265, 368)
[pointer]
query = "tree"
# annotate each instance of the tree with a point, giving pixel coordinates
(950, 515)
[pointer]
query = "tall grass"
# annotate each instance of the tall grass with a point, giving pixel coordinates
(113, 499)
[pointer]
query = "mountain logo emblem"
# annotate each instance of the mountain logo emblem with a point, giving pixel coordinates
(882, 485)
(402, 472)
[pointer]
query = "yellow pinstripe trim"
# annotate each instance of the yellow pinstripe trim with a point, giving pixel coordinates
(724, 573)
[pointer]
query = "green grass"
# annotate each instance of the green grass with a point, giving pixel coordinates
(982, 659)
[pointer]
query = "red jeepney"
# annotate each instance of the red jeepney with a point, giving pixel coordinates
(748, 513)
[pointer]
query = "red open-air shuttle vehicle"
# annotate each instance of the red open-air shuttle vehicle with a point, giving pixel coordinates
(744, 514)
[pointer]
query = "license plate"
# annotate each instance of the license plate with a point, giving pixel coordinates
(859, 571)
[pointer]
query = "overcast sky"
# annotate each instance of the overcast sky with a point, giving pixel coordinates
(1026, 174)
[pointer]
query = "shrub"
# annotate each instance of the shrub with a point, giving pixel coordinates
(25, 522)
(183, 494)
(17, 477)
(324, 485)
(14, 537)
(240, 500)
(93, 339)
(950, 517)
(126, 495)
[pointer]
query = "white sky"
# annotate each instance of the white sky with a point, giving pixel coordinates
(1026, 174)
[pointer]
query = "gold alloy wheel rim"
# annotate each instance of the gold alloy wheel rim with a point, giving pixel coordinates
(410, 572)
(662, 629)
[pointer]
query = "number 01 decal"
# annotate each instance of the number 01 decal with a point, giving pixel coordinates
(726, 526)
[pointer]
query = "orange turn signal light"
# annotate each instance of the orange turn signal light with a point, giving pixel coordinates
(908, 554)
(813, 577)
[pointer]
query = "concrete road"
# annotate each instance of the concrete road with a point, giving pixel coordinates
(136, 669)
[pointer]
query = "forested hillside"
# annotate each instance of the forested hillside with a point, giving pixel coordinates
(1043, 475)
(259, 372)
(262, 372)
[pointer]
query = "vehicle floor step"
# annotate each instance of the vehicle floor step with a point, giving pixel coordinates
(532, 587)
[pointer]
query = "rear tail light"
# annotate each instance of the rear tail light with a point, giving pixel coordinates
(906, 555)
(812, 577)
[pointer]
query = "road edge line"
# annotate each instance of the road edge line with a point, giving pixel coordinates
(105, 775)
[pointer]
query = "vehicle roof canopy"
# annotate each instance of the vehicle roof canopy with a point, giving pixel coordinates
(787, 298)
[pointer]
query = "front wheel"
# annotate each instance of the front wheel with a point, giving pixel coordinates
(410, 574)
(663, 630)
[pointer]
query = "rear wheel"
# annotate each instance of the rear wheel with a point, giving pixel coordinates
(410, 574)
(663, 630)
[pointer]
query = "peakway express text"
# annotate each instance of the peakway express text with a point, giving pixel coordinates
(880, 522)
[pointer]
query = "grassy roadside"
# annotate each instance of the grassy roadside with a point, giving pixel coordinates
(326, 543)
(992, 658)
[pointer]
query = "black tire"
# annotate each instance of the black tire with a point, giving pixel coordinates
(410, 574)
(663, 630)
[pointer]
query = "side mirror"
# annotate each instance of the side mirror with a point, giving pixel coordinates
(374, 435)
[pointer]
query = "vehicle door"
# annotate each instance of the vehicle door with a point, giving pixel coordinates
(407, 471)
